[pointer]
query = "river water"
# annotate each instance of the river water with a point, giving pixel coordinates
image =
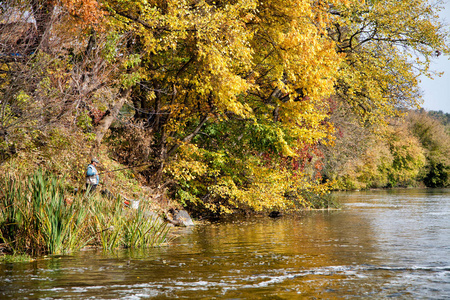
(381, 244)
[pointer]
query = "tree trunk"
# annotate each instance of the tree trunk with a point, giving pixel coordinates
(106, 122)
(162, 159)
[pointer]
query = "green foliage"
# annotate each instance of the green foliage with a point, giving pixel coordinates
(412, 152)
(15, 258)
(408, 156)
(434, 138)
(443, 118)
(320, 201)
(437, 176)
(84, 121)
(390, 159)
(230, 170)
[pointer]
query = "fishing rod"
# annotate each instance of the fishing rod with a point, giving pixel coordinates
(104, 172)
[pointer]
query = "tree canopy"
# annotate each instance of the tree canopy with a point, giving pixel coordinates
(230, 102)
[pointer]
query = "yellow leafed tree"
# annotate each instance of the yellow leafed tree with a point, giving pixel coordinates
(254, 74)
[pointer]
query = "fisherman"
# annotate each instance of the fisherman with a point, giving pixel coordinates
(92, 178)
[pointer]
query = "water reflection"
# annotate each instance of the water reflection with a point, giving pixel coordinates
(381, 244)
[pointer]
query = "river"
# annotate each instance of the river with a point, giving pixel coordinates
(381, 244)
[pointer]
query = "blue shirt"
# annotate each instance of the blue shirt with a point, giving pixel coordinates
(92, 175)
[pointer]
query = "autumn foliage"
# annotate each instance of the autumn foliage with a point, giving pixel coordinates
(233, 105)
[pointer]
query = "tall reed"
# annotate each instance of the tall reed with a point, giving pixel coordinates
(35, 218)
(123, 227)
(11, 215)
(108, 222)
(60, 225)
(143, 228)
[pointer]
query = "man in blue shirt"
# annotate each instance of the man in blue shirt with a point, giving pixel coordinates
(92, 178)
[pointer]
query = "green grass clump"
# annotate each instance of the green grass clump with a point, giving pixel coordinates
(37, 217)
(129, 229)
(15, 258)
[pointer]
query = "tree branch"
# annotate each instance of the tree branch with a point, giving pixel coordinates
(189, 137)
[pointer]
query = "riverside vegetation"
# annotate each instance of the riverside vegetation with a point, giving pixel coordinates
(38, 218)
(219, 107)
